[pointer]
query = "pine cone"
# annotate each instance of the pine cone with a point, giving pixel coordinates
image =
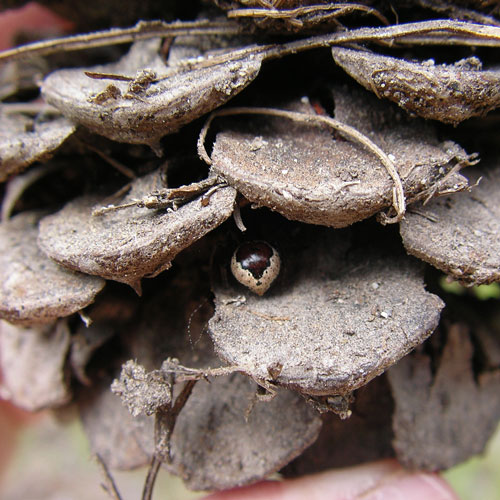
(295, 247)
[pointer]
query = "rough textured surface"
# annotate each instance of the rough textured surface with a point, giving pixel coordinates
(306, 174)
(24, 140)
(347, 303)
(445, 415)
(448, 93)
(215, 447)
(459, 234)
(143, 393)
(161, 105)
(338, 322)
(33, 365)
(33, 288)
(129, 244)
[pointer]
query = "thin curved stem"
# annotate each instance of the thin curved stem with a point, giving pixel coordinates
(338, 8)
(435, 32)
(347, 131)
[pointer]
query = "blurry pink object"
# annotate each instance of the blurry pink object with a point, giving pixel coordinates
(31, 17)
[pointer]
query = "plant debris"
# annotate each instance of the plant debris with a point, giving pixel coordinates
(293, 17)
(128, 245)
(142, 392)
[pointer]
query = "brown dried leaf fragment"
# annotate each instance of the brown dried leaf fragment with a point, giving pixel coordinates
(441, 420)
(459, 234)
(215, 447)
(143, 393)
(269, 4)
(24, 140)
(301, 16)
(33, 365)
(147, 99)
(332, 324)
(113, 432)
(306, 174)
(448, 93)
(127, 245)
(33, 288)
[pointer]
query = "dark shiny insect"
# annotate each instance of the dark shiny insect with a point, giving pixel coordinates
(256, 264)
